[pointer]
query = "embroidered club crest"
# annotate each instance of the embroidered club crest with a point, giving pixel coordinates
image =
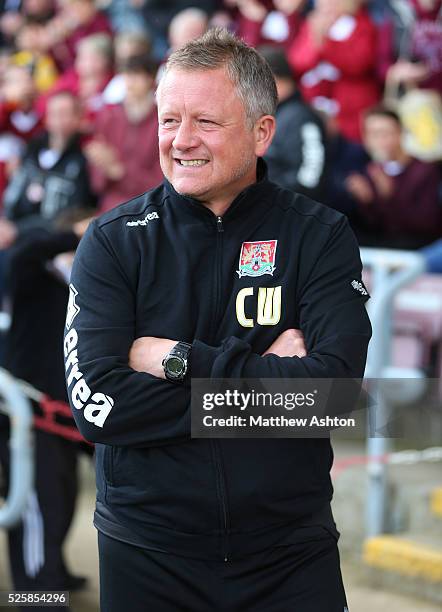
(257, 258)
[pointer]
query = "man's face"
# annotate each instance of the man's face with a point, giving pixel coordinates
(207, 149)
(18, 85)
(62, 116)
(91, 63)
(138, 85)
(382, 138)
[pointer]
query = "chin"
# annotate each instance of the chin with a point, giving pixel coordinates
(187, 188)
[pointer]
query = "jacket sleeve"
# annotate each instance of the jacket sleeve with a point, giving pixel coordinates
(112, 403)
(332, 317)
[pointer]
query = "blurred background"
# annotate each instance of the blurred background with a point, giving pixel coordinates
(359, 128)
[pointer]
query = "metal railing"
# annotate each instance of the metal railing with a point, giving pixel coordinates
(21, 444)
(391, 270)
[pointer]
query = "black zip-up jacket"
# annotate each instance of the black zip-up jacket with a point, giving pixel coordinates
(164, 265)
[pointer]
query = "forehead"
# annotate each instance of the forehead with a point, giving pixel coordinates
(197, 91)
(381, 122)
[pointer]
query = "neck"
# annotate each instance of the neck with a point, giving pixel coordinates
(57, 143)
(219, 205)
(401, 157)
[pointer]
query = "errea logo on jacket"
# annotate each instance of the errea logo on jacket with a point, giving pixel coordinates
(145, 221)
(359, 286)
(97, 410)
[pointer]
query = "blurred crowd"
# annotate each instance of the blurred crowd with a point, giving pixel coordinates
(360, 113)
(359, 128)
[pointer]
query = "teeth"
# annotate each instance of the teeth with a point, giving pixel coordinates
(193, 162)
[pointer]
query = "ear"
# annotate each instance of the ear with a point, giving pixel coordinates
(264, 131)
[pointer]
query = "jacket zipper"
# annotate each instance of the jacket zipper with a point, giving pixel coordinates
(222, 494)
(221, 485)
(219, 244)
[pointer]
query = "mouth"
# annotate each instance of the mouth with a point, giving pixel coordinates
(191, 163)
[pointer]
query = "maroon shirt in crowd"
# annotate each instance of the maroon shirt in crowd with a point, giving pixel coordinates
(65, 52)
(342, 70)
(412, 209)
(137, 145)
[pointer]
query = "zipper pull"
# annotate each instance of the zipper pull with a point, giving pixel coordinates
(219, 224)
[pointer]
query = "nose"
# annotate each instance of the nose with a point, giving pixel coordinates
(185, 137)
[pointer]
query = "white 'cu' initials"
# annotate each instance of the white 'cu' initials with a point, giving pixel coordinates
(268, 308)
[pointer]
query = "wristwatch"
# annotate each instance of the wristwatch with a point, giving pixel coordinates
(176, 362)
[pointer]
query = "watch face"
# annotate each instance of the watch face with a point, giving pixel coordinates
(175, 366)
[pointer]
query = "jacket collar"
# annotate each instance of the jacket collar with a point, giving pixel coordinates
(250, 197)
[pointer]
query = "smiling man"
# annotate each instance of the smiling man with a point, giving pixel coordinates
(216, 273)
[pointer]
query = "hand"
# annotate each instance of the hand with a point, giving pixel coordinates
(104, 157)
(359, 187)
(288, 7)
(384, 184)
(407, 72)
(252, 9)
(321, 20)
(80, 227)
(288, 344)
(8, 233)
(147, 353)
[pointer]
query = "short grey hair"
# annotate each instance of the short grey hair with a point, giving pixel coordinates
(248, 71)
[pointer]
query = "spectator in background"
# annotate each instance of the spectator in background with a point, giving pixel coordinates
(52, 175)
(31, 45)
(123, 155)
(15, 12)
(78, 19)
(334, 57)
(18, 109)
(263, 22)
(125, 15)
(126, 45)
(20, 118)
(296, 159)
(187, 25)
(345, 158)
(34, 353)
(158, 15)
(397, 196)
(92, 73)
(10, 21)
(419, 49)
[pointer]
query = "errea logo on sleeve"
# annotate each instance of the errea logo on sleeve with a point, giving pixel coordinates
(95, 406)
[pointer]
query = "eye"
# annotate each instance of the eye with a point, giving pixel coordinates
(168, 121)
